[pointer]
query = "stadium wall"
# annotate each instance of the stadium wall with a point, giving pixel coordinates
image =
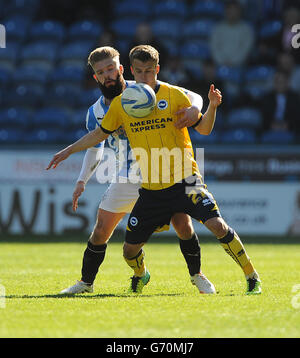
(36, 201)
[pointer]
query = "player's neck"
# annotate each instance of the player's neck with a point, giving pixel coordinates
(107, 101)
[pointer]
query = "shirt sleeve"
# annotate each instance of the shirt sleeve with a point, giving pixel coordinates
(92, 123)
(113, 118)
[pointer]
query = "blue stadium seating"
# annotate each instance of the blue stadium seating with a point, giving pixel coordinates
(68, 74)
(166, 28)
(259, 73)
(11, 136)
(15, 117)
(85, 30)
(78, 118)
(125, 27)
(197, 28)
(170, 8)
(5, 76)
(207, 9)
(47, 30)
(44, 136)
(199, 139)
(22, 7)
(196, 50)
(16, 28)
(41, 52)
(277, 137)
(51, 117)
(88, 97)
(270, 29)
(28, 96)
(132, 8)
(239, 136)
(30, 74)
(75, 52)
(73, 135)
(230, 74)
(65, 96)
(8, 55)
(245, 117)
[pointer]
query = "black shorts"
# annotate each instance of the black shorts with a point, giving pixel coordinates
(154, 209)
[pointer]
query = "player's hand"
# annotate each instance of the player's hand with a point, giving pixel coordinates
(187, 117)
(79, 189)
(214, 96)
(59, 157)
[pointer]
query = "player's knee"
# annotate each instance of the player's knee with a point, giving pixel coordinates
(217, 226)
(130, 250)
(100, 234)
(183, 226)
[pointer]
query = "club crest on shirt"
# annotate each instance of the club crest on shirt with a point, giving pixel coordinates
(162, 104)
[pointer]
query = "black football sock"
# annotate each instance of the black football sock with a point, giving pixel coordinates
(92, 259)
(191, 252)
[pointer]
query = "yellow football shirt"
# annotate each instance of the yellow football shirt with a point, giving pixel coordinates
(164, 153)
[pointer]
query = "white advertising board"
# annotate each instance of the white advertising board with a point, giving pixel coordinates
(249, 208)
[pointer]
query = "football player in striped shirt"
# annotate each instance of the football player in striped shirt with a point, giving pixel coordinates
(159, 200)
(121, 194)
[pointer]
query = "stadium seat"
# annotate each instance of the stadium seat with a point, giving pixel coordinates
(16, 28)
(78, 118)
(11, 136)
(47, 30)
(245, 117)
(75, 52)
(196, 50)
(170, 8)
(28, 96)
(85, 30)
(26, 8)
(63, 95)
(166, 28)
(132, 8)
(44, 136)
(125, 27)
(239, 136)
(68, 74)
(51, 117)
(88, 97)
(277, 137)
(73, 135)
(230, 74)
(199, 139)
(197, 28)
(30, 74)
(258, 80)
(40, 52)
(259, 73)
(207, 9)
(8, 55)
(270, 29)
(5, 76)
(15, 117)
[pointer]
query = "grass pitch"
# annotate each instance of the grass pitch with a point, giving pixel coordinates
(170, 307)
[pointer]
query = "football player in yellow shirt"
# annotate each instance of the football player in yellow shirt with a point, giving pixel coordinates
(176, 189)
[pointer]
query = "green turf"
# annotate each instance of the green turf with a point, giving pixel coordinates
(170, 307)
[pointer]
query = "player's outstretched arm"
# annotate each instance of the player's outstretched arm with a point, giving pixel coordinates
(207, 122)
(87, 141)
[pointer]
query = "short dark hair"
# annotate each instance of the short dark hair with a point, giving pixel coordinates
(102, 53)
(144, 53)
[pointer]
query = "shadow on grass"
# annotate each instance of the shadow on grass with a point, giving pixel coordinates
(100, 295)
